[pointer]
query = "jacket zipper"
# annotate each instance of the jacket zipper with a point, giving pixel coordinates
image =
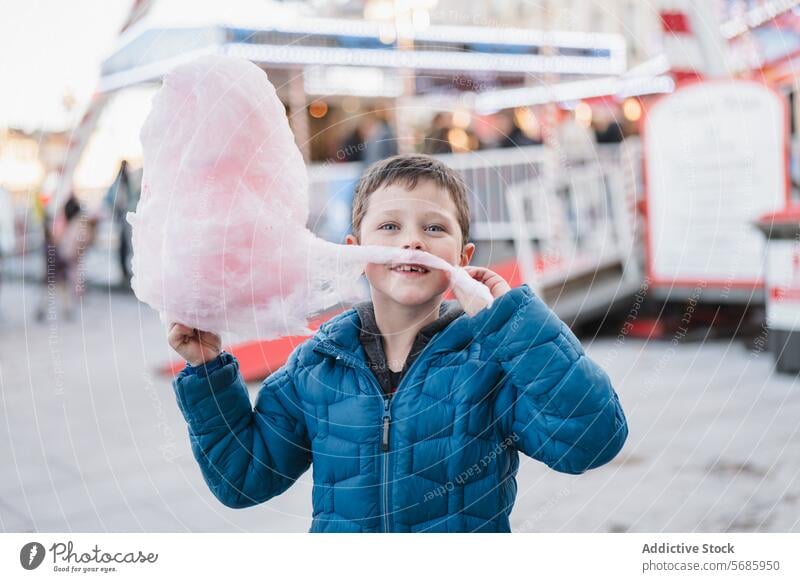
(386, 418)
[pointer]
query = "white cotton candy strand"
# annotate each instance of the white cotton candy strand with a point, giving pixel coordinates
(388, 255)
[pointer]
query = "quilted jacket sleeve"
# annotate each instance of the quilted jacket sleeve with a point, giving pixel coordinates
(246, 455)
(557, 405)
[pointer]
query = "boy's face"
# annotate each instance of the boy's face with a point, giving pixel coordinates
(420, 219)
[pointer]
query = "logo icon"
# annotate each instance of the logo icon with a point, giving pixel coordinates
(31, 555)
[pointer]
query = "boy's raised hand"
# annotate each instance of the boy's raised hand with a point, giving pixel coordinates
(496, 284)
(195, 346)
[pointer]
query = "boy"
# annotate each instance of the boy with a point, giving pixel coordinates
(412, 410)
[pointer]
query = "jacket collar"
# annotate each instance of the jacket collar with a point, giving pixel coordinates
(448, 312)
(343, 336)
(340, 336)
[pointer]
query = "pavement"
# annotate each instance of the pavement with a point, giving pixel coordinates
(92, 439)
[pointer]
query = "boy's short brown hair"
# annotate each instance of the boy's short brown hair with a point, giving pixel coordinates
(408, 169)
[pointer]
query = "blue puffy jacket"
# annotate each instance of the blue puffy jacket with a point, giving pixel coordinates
(440, 455)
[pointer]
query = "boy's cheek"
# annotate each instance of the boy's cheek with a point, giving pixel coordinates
(375, 273)
(442, 280)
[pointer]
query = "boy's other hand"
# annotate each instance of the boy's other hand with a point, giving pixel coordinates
(496, 284)
(195, 346)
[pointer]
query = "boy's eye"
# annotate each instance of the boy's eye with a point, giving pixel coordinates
(390, 225)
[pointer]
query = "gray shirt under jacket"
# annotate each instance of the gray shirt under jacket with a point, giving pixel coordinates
(372, 341)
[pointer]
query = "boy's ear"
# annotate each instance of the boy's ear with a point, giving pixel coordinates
(466, 254)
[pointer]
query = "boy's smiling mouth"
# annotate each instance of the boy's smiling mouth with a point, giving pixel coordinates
(409, 269)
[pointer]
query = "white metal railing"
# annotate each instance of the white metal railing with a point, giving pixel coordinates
(489, 175)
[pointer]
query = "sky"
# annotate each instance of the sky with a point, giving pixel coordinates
(49, 47)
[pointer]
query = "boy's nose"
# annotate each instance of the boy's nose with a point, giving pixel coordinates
(415, 245)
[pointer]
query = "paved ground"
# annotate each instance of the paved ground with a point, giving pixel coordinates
(92, 440)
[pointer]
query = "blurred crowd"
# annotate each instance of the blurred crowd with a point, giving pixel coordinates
(67, 231)
(373, 137)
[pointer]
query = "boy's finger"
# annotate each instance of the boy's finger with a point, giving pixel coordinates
(180, 331)
(178, 327)
(480, 273)
(496, 284)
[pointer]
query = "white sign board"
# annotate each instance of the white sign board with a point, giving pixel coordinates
(715, 155)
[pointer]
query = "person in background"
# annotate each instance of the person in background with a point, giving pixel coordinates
(379, 139)
(436, 140)
(513, 136)
(352, 147)
(121, 198)
(575, 142)
(67, 238)
(610, 132)
(7, 242)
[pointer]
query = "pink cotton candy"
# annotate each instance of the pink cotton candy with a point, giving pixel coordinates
(219, 235)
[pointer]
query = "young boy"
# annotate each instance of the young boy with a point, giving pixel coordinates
(412, 410)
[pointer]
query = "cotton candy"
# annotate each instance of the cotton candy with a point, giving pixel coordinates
(220, 241)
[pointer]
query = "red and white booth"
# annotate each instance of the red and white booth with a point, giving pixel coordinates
(716, 157)
(782, 283)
